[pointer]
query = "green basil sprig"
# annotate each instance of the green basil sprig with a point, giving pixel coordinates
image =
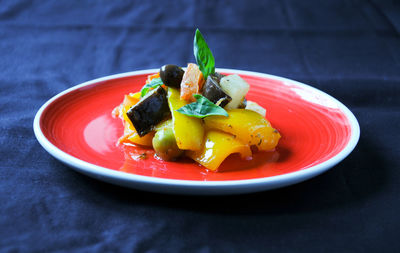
(202, 108)
(154, 83)
(203, 55)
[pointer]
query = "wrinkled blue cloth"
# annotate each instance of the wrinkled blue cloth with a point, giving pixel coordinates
(349, 49)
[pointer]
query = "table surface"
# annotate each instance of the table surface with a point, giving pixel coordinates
(349, 49)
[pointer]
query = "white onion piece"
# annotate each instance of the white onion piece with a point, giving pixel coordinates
(236, 88)
(253, 106)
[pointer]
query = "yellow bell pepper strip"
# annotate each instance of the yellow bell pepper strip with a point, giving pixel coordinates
(129, 100)
(164, 124)
(218, 146)
(130, 133)
(189, 131)
(248, 126)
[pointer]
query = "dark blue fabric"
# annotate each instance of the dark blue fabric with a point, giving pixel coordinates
(350, 49)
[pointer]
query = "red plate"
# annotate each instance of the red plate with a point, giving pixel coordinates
(317, 131)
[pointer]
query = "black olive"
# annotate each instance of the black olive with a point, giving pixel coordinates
(171, 75)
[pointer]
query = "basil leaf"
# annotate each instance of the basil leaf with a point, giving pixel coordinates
(202, 108)
(154, 83)
(203, 55)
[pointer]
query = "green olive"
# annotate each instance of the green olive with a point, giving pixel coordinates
(164, 144)
(171, 75)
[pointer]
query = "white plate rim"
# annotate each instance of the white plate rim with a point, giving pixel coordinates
(193, 187)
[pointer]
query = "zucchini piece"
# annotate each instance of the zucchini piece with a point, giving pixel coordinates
(149, 111)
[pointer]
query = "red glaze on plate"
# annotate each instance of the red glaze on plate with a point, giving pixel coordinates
(317, 131)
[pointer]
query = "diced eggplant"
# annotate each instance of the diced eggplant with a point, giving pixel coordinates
(213, 91)
(149, 111)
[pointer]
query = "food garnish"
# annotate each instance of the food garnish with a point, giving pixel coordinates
(203, 55)
(202, 108)
(154, 83)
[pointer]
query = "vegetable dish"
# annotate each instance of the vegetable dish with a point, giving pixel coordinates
(196, 112)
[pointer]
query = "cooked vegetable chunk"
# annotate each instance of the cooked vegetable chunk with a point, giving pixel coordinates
(189, 131)
(164, 124)
(164, 144)
(217, 147)
(171, 75)
(129, 131)
(253, 106)
(236, 88)
(213, 91)
(192, 82)
(129, 100)
(133, 136)
(248, 126)
(149, 111)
